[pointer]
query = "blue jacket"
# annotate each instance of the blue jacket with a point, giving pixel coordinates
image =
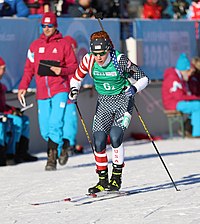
(14, 7)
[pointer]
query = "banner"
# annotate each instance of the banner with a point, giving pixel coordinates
(15, 37)
(161, 42)
(17, 34)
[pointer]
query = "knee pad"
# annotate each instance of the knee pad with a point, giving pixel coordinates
(116, 136)
(100, 139)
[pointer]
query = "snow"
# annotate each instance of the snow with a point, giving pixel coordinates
(157, 201)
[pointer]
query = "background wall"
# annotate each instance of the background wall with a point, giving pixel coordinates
(148, 102)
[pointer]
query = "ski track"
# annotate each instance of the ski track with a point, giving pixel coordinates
(155, 200)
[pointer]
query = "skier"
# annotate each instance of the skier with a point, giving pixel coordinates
(117, 80)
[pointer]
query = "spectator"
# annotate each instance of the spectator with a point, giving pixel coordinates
(17, 150)
(13, 7)
(38, 6)
(151, 10)
(5, 128)
(82, 9)
(180, 8)
(175, 94)
(51, 59)
(61, 7)
(113, 74)
(194, 79)
(194, 10)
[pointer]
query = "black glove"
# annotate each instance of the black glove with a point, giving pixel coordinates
(73, 94)
(130, 91)
(17, 112)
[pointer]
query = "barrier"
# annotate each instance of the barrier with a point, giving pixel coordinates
(153, 44)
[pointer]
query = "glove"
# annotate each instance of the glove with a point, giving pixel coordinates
(17, 112)
(130, 91)
(73, 94)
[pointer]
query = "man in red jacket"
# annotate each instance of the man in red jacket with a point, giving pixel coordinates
(176, 95)
(52, 60)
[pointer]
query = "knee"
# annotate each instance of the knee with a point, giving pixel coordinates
(100, 138)
(116, 136)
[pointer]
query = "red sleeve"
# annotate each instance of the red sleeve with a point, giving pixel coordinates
(28, 71)
(70, 62)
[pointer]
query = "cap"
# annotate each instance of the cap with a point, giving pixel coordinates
(2, 62)
(100, 44)
(183, 63)
(71, 40)
(49, 18)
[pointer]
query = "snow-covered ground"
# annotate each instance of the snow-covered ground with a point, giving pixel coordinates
(157, 201)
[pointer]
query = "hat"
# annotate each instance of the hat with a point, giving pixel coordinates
(100, 44)
(2, 62)
(183, 63)
(49, 18)
(71, 41)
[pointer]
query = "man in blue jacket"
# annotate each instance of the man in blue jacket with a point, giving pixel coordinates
(13, 7)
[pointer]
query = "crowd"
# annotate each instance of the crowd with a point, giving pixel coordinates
(147, 9)
(171, 9)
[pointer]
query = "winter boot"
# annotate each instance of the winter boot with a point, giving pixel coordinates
(22, 154)
(115, 180)
(10, 159)
(102, 184)
(2, 155)
(64, 154)
(52, 156)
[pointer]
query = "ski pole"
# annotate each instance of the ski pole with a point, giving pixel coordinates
(151, 139)
(99, 16)
(84, 126)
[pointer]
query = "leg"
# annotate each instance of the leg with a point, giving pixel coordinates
(51, 113)
(22, 154)
(101, 162)
(13, 144)
(70, 128)
(116, 137)
(192, 108)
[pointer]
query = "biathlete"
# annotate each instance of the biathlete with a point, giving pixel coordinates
(117, 80)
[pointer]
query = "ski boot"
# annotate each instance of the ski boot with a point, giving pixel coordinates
(64, 154)
(115, 180)
(52, 156)
(102, 184)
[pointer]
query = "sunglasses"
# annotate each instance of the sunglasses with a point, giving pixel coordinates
(49, 25)
(100, 54)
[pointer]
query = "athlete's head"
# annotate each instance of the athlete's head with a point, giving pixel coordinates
(100, 45)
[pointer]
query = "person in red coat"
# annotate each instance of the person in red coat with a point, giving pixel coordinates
(176, 94)
(51, 60)
(151, 10)
(17, 147)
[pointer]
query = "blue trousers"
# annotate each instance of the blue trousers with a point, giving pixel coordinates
(20, 126)
(2, 133)
(193, 109)
(51, 117)
(70, 128)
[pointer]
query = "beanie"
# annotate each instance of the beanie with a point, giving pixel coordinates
(183, 63)
(2, 62)
(71, 41)
(49, 18)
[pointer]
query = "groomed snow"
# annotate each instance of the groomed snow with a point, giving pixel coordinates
(157, 202)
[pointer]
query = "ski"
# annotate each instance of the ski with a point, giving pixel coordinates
(85, 197)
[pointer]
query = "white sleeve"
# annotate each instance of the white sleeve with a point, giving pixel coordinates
(141, 83)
